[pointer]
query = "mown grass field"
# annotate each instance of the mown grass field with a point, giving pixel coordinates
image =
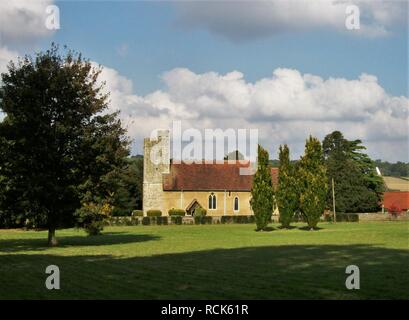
(209, 262)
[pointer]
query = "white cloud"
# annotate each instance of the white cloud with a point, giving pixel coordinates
(286, 108)
(249, 20)
(6, 56)
(23, 20)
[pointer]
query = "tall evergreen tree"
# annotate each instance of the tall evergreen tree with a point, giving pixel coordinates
(286, 194)
(312, 182)
(262, 193)
(357, 186)
(57, 140)
(367, 167)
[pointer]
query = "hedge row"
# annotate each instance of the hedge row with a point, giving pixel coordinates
(343, 217)
(203, 220)
(237, 219)
(123, 221)
(154, 220)
(176, 219)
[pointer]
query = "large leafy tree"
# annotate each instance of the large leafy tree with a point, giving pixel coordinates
(57, 140)
(125, 185)
(286, 194)
(357, 186)
(262, 193)
(312, 182)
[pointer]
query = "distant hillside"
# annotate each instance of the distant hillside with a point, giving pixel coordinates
(396, 184)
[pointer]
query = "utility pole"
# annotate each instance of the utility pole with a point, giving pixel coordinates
(333, 201)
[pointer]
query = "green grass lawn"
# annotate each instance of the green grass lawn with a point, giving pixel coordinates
(209, 262)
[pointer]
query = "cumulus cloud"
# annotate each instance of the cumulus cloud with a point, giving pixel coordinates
(23, 20)
(6, 55)
(286, 107)
(248, 20)
(21, 23)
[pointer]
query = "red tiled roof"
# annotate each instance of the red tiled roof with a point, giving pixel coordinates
(399, 199)
(208, 177)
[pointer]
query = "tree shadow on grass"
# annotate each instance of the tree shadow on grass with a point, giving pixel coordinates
(109, 238)
(266, 229)
(307, 228)
(268, 272)
(287, 228)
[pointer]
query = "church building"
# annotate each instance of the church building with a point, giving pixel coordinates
(218, 188)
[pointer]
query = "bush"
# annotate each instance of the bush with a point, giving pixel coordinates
(161, 220)
(237, 219)
(146, 221)
(137, 213)
(198, 219)
(394, 211)
(226, 219)
(134, 221)
(176, 220)
(240, 219)
(122, 221)
(199, 212)
(203, 220)
(177, 212)
(91, 216)
(154, 213)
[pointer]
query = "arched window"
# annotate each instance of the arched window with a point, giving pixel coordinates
(236, 204)
(212, 201)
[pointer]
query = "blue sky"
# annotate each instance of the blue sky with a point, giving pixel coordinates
(287, 68)
(156, 43)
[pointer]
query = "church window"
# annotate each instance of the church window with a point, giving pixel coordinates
(212, 201)
(236, 204)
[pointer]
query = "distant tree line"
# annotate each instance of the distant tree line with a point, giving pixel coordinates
(398, 169)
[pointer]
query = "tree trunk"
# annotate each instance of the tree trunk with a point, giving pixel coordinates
(52, 240)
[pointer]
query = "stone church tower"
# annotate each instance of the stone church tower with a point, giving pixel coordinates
(156, 163)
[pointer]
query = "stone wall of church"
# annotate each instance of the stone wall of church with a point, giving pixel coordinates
(224, 201)
(156, 163)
